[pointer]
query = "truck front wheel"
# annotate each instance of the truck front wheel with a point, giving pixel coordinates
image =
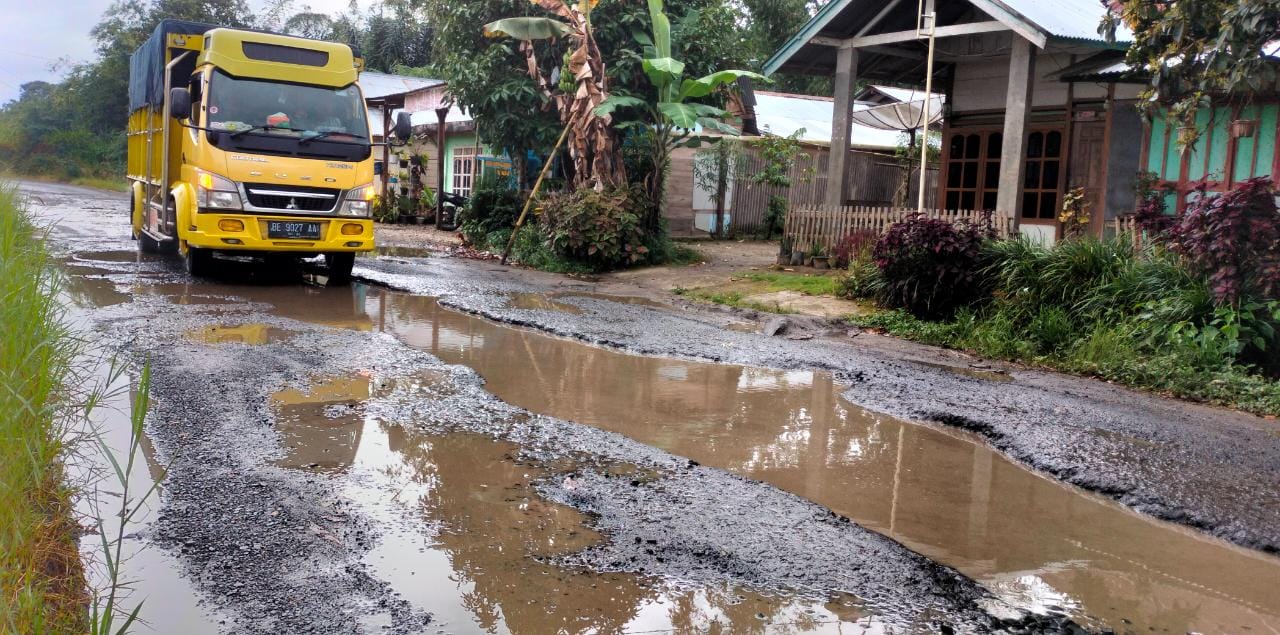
(340, 265)
(199, 262)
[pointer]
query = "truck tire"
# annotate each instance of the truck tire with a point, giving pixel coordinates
(340, 264)
(198, 262)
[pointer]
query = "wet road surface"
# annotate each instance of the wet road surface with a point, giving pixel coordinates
(341, 439)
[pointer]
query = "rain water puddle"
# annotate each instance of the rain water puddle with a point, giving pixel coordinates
(540, 302)
(472, 550)
(253, 334)
(1033, 541)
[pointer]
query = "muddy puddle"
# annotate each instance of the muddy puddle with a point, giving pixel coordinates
(252, 334)
(465, 534)
(1035, 542)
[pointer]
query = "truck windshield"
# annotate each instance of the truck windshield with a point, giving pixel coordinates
(291, 113)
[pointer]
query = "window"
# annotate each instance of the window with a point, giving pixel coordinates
(972, 176)
(1043, 172)
(973, 170)
(463, 166)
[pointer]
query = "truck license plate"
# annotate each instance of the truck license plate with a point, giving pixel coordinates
(292, 229)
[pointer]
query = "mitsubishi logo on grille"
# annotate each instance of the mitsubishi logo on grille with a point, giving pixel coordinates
(293, 204)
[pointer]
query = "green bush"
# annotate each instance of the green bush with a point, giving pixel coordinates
(601, 230)
(1105, 308)
(493, 206)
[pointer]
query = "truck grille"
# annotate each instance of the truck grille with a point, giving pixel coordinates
(291, 198)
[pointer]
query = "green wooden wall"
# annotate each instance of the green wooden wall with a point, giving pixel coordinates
(1254, 156)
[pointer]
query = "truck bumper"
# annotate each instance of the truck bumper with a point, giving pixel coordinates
(218, 230)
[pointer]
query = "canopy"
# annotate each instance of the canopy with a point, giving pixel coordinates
(146, 67)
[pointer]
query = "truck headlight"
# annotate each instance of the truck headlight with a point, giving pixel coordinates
(358, 202)
(216, 192)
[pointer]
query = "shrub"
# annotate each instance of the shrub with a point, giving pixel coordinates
(930, 266)
(854, 247)
(1233, 240)
(863, 281)
(493, 205)
(601, 230)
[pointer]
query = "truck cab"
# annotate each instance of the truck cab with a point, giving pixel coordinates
(246, 143)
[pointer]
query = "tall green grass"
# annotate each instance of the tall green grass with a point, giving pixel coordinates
(41, 578)
(1106, 308)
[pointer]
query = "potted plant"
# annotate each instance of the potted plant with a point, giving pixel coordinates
(784, 250)
(427, 205)
(418, 160)
(813, 252)
(820, 259)
(1244, 128)
(406, 209)
(403, 157)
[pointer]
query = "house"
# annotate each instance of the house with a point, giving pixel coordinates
(1234, 141)
(999, 64)
(429, 106)
(690, 207)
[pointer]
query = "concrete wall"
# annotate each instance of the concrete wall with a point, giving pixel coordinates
(982, 84)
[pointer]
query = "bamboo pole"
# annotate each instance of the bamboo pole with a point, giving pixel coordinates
(536, 186)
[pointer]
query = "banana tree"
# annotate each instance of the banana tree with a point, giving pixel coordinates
(675, 115)
(577, 89)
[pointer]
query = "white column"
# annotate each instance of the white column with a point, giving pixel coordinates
(841, 124)
(1017, 109)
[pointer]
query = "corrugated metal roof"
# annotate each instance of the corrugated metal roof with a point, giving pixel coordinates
(1074, 21)
(784, 114)
(375, 85)
(1066, 19)
(420, 118)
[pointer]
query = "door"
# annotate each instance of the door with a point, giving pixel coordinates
(1088, 168)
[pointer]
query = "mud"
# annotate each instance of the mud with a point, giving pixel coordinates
(309, 473)
(1164, 458)
(1035, 543)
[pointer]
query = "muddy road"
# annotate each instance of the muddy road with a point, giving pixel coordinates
(451, 446)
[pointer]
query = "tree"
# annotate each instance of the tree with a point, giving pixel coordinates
(489, 77)
(309, 24)
(1194, 51)
(675, 112)
(576, 88)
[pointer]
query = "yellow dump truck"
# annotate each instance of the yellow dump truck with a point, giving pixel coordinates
(246, 143)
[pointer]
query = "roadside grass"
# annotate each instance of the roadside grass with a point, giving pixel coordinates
(742, 289)
(1112, 352)
(41, 578)
(114, 184)
(808, 284)
(733, 299)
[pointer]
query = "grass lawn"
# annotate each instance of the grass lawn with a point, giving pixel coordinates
(777, 292)
(41, 579)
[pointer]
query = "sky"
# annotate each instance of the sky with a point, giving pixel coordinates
(36, 35)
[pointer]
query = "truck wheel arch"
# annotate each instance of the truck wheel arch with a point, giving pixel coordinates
(135, 208)
(183, 197)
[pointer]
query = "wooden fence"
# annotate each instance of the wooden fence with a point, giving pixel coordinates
(1128, 226)
(871, 179)
(823, 226)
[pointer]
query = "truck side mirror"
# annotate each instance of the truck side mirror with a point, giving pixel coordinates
(404, 126)
(180, 103)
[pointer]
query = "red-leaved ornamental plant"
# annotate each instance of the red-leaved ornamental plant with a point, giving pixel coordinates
(931, 266)
(1233, 239)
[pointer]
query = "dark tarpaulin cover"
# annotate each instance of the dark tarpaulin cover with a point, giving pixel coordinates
(146, 67)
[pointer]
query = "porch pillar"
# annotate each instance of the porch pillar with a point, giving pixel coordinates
(1017, 109)
(841, 124)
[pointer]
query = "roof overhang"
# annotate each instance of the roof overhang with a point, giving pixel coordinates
(881, 28)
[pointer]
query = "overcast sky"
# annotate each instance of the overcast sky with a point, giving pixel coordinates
(35, 35)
